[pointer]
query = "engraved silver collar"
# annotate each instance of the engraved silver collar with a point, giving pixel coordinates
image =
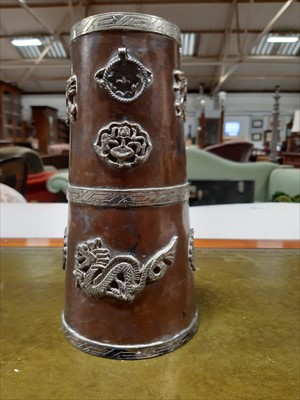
(127, 22)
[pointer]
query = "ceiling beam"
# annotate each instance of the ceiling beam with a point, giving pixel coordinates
(224, 44)
(186, 62)
(129, 2)
(47, 48)
(254, 43)
(255, 77)
(197, 31)
(237, 77)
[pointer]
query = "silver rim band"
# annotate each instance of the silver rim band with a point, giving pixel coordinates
(124, 198)
(126, 22)
(130, 352)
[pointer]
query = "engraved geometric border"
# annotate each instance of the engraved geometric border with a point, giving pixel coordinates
(135, 197)
(131, 352)
(126, 21)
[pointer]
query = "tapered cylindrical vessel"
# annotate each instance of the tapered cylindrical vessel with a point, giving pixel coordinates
(128, 245)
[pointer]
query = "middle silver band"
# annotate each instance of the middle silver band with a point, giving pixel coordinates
(123, 198)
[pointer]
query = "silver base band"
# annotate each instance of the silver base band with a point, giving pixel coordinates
(130, 352)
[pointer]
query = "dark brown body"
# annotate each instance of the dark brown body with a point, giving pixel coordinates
(164, 307)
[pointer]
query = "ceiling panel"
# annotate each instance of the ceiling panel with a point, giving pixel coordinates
(224, 42)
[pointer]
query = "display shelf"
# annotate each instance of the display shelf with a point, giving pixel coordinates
(10, 112)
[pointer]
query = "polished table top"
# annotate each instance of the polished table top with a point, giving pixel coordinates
(247, 345)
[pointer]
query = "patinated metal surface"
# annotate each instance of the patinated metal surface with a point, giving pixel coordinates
(128, 190)
(247, 347)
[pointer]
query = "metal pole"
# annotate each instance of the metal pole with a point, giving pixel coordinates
(275, 129)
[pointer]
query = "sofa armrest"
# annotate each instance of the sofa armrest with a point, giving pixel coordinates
(285, 180)
(58, 182)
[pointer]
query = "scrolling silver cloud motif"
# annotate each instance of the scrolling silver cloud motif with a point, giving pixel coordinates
(71, 91)
(123, 276)
(124, 77)
(123, 145)
(180, 88)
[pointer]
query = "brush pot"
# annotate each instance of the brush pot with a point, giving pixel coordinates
(128, 249)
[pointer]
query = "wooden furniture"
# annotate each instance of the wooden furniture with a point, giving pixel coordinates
(201, 130)
(13, 173)
(214, 191)
(63, 132)
(291, 159)
(45, 121)
(59, 161)
(237, 150)
(10, 113)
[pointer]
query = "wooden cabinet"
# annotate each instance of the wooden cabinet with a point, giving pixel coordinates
(291, 159)
(10, 113)
(62, 131)
(44, 119)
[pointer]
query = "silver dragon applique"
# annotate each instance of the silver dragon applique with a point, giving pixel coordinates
(121, 277)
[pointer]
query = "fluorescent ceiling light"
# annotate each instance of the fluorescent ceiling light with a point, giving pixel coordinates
(282, 39)
(26, 42)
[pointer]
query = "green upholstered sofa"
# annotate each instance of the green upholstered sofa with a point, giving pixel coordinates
(268, 177)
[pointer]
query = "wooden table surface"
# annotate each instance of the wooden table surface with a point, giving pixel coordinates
(247, 345)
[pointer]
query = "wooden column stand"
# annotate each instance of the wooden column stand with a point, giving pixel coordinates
(202, 123)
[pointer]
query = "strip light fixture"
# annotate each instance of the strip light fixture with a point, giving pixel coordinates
(282, 39)
(26, 42)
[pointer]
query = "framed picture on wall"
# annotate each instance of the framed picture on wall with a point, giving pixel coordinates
(256, 137)
(268, 136)
(257, 123)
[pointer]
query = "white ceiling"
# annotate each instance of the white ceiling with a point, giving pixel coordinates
(227, 32)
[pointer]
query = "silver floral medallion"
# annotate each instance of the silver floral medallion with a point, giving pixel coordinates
(71, 91)
(180, 88)
(191, 250)
(124, 77)
(123, 145)
(99, 274)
